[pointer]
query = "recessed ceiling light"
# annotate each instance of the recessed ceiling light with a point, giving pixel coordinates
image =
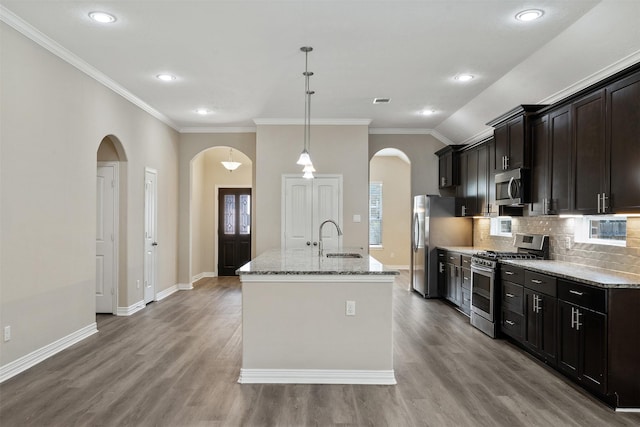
(463, 77)
(165, 77)
(529, 15)
(102, 17)
(202, 111)
(428, 112)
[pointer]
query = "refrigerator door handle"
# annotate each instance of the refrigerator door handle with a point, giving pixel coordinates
(416, 232)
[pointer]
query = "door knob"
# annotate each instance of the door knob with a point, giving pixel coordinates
(315, 243)
(154, 244)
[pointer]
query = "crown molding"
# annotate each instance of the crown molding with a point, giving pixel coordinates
(32, 33)
(411, 131)
(486, 133)
(594, 78)
(317, 122)
(211, 129)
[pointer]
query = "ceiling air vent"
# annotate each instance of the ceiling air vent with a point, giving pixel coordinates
(381, 100)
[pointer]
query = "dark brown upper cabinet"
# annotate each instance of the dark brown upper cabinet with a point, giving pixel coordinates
(550, 171)
(468, 188)
(512, 138)
(622, 174)
(589, 163)
(448, 166)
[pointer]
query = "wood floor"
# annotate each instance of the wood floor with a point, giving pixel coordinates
(177, 362)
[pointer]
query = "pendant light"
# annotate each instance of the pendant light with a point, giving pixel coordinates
(305, 158)
(231, 165)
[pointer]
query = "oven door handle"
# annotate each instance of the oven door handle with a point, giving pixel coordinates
(482, 269)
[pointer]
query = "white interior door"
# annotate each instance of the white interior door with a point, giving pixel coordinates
(306, 203)
(150, 233)
(106, 217)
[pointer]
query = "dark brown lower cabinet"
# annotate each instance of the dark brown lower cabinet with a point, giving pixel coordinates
(453, 284)
(541, 324)
(583, 345)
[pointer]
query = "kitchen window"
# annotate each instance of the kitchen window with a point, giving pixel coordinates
(602, 230)
(375, 214)
(500, 226)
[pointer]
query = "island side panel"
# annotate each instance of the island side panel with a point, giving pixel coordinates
(303, 325)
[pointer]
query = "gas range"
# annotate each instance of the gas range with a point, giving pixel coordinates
(490, 258)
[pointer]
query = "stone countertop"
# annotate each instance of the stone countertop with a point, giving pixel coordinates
(465, 250)
(582, 273)
(305, 261)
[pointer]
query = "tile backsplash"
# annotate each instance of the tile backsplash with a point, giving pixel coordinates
(561, 233)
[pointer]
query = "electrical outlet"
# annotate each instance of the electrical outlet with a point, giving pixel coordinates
(7, 333)
(567, 242)
(351, 308)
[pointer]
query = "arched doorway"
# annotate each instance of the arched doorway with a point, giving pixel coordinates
(210, 182)
(110, 223)
(390, 208)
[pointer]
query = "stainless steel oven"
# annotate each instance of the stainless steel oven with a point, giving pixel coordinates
(483, 293)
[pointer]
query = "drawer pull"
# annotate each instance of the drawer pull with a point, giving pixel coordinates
(576, 292)
(510, 295)
(536, 281)
(509, 322)
(510, 273)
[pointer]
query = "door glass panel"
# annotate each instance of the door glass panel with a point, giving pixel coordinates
(245, 214)
(229, 214)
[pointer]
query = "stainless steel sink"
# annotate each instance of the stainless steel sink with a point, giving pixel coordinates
(344, 255)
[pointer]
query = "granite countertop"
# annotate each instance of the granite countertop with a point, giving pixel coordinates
(582, 273)
(307, 262)
(465, 250)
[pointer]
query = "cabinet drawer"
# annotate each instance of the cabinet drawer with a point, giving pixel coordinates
(466, 261)
(511, 273)
(512, 324)
(583, 295)
(466, 278)
(454, 258)
(541, 283)
(512, 296)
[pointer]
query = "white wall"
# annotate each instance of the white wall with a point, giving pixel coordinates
(334, 150)
(53, 120)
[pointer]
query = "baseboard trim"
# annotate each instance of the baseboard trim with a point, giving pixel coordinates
(128, 311)
(22, 364)
(203, 275)
(636, 410)
(316, 376)
(166, 292)
(185, 286)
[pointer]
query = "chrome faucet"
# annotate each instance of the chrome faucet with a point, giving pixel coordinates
(320, 233)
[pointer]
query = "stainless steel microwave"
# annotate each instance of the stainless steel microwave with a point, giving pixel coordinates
(512, 187)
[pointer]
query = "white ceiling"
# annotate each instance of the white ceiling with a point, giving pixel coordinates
(241, 59)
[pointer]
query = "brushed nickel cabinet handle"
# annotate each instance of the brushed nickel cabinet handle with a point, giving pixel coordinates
(510, 295)
(510, 273)
(576, 292)
(509, 322)
(536, 281)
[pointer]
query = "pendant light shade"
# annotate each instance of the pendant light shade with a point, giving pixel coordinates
(304, 158)
(231, 165)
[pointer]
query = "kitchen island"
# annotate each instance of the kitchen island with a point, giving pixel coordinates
(316, 320)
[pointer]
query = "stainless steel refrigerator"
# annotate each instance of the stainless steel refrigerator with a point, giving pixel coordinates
(434, 225)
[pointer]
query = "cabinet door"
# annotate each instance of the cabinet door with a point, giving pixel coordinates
(594, 352)
(471, 186)
(482, 199)
(568, 339)
(452, 278)
(501, 141)
(445, 164)
(588, 152)
(559, 165)
(517, 154)
(623, 144)
(540, 169)
(531, 320)
(547, 326)
(442, 273)
(491, 185)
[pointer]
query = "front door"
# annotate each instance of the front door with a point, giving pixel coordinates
(150, 233)
(106, 237)
(234, 229)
